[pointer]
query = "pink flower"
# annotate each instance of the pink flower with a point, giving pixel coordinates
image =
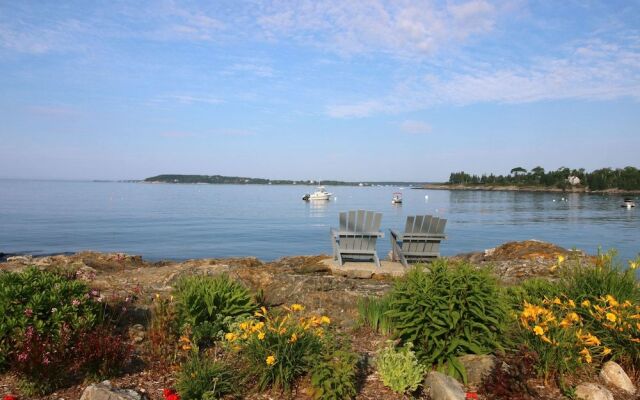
(28, 312)
(75, 302)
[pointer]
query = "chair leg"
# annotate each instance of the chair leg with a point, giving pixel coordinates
(339, 259)
(377, 260)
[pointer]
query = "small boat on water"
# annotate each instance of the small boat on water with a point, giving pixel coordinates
(397, 198)
(628, 203)
(320, 194)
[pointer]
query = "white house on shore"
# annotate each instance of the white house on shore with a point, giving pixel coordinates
(573, 180)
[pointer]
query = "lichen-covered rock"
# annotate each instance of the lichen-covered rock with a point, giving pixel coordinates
(593, 391)
(443, 387)
(104, 391)
(477, 367)
(614, 375)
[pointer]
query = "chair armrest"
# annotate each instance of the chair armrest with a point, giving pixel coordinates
(347, 233)
(395, 234)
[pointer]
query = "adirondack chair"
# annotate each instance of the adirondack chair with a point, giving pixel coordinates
(356, 238)
(420, 241)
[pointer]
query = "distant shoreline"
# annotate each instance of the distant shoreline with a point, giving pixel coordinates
(513, 188)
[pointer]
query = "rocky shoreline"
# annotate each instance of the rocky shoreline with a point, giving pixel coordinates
(513, 188)
(305, 279)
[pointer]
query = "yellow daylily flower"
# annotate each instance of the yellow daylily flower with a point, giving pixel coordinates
(538, 330)
(611, 317)
(294, 338)
(585, 303)
(270, 360)
(325, 320)
(561, 259)
(261, 336)
(297, 307)
(606, 351)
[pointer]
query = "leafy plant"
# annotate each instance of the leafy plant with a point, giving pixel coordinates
(400, 369)
(202, 378)
(534, 291)
(448, 311)
(100, 353)
(334, 376)
(44, 300)
(280, 347)
(373, 312)
(42, 360)
(209, 305)
(163, 329)
(605, 277)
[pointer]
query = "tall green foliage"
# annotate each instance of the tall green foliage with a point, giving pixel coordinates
(209, 305)
(447, 311)
(373, 312)
(333, 377)
(202, 378)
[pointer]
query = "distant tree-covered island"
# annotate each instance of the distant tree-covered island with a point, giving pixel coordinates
(604, 179)
(239, 180)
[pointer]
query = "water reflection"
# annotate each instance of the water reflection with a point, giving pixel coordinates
(318, 208)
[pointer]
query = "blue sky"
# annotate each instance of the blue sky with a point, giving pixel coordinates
(352, 90)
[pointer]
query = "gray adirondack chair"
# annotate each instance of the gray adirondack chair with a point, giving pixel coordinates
(420, 241)
(356, 238)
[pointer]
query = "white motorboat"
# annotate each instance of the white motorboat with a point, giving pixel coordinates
(320, 194)
(397, 198)
(628, 203)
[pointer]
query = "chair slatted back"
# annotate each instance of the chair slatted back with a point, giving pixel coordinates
(355, 228)
(424, 225)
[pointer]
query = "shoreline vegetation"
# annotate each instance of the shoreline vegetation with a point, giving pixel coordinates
(524, 320)
(239, 180)
(600, 181)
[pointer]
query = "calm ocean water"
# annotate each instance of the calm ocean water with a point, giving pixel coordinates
(163, 221)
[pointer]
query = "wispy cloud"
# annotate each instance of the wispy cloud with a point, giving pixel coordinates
(591, 70)
(186, 99)
(53, 110)
(415, 127)
(251, 68)
(177, 134)
(375, 26)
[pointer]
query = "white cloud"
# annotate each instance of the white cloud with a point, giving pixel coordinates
(415, 127)
(402, 28)
(591, 70)
(187, 99)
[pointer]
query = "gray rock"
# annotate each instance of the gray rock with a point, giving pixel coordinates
(593, 391)
(478, 367)
(20, 259)
(614, 375)
(104, 391)
(352, 273)
(443, 387)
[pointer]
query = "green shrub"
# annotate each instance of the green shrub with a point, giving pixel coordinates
(447, 312)
(605, 277)
(333, 377)
(373, 312)
(45, 301)
(202, 378)
(209, 305)
(279, 348)
(400, 369)
(533, 291)
(163, 331)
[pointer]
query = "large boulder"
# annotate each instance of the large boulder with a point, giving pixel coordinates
(614, 375)
(443, 387)
(593, 391)
(478, 367)
(104, 391)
